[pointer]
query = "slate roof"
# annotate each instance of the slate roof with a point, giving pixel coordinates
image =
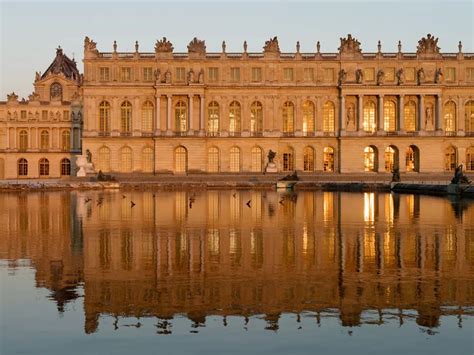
(62, 64)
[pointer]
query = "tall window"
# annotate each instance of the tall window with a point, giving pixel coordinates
(148, 74)
(125, 73)
(104, 159)
(470, 116)
(369, 117)
(328, 117)
(370, 159)
(180, 160)
(256, 160)
(213, 118)
(412, 158)
(126, 117)
(213, 74)
(288, 159)
(308, 159)
(44, 139)
(288, 117)
(256, 118)
(389, 116)
(391, 159)
(410, 116)
(234, 159)
(65, 167)
(147, 117)
(43, 167)
(450, 158)
(104, 116)
(213, 160)
(147, 160)
(104, 74)
(66, 140)
(22, 167)
(450, 117)
(308, 117)
(126, 159)
(181, 116)
(256, 74)
(470, 158)
(235, 74)
(288, 74)
(23, 135)
(234, 118)
(328, 159)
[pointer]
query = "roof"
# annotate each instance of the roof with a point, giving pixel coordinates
(62, 64)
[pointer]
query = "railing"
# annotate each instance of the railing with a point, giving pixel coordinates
(235, 134)
(147, 134)
(125, 134)
(180, 134)
(212, 134)
(450, 134)
(288, 134)
(104, 134)
(256, 134)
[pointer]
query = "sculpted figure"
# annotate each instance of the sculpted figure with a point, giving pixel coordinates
(400, 76)
(168, 77)
(342, 77)
(438, 76)
(359, 76)
(420, 75)
(271, 156)
(350, 119)
(157, 75)
(191, 76)
(89, 156)
(201, 76)
(429, 118)
(380, 77)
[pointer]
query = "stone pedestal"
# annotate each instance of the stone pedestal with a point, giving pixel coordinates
(84, 166)
(271, 168)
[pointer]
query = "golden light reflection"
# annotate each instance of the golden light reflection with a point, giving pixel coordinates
(369, 207)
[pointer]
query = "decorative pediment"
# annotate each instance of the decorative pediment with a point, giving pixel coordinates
(428, 45)
(163, 46)
(349, 46)
(12, 97)
(197, 46)
(271, 46)
(90, 46)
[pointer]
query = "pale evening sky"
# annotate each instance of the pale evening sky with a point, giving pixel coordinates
(30, 31)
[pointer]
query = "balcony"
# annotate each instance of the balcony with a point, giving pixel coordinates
(235, 134)
(288, 134)
(147, 134)
(180, 133)
(212, 134)
(104, 134)
(256, 134)
(450, 134)
(125, 134)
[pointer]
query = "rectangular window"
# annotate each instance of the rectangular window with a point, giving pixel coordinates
(65, 115)
(288, 74)
(470, 74)
(329, 74)
(390, 74)
(23, 115)
(256, 74)
(450, 74)
(148, 74)
(180, 74)
(44, 115)
(369, 74)
(104, 74)
(410, 74)
(125, 74)
(308, 74)
(235, 74)
(213, 74)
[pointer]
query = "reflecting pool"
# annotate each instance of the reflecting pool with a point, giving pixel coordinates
(232, 272)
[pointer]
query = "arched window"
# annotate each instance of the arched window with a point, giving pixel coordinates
(126, 117)
(181, 117)
(328, 159)
(391, 159)
(470, 116)
(450, 158)
(308, 159)
(329, 112)
(66, 140)
(23, 135)
(147, 160)
(369, 117)
(389, 116)
(44, 139)
(147, 116)
(411, 116)
(235, 115)
(470, 158)
(104, 117)
(235, 159)
(180, 160)
(256, 118)
(213, 118)
(412, 158)
(56, 91)
(450, 117)
(43, 167)
(288, 159)
(104, 159)
(308, 117)
(22, 167)
(213, 160)
(126, 159)
(370, 158)
(256, 160)
(288, 117)
(65, 167)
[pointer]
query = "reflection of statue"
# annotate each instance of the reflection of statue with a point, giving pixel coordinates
(271, 156)
(459, 177)
(396, 175)
(359, 76)
(89, 156)
(400, 76)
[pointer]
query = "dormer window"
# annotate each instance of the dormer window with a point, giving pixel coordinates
(56, 91)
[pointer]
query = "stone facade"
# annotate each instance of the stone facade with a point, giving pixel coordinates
(344, 112)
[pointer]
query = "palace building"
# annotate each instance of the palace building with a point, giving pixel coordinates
(200, 112)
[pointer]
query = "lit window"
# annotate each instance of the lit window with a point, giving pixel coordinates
(147, 116)
(44, 167)
(450, 117)
(235, 74)
(410, 116)
(369, 74)
(234, 159)
(181, 116)
(22, 167)
(66, 140)
(328, 159)
(65, 167)
(104, 74)
(288, 74)
(369, 117)
(328, 117)
(147, 160)
(213, 74)
(256, 160)
(389, 116)
(450, 159)
(234, 118)
(148, 74)
(256, 74)
(288, 159)
(411, 158)
(180, 74)
(125, 74)
(308, 159)
(288, 117)
(470, 158)
(44, 139)
(308, 117)
(126, 117)
(308, 74)
(391, 159)
(370, 158)
(470, 116)
(256, 118)
(213, 118)
(213, 160)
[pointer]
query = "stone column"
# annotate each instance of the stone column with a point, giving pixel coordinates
(201, 116)
(157, 114)
(401, 113)
(380, 123)
(191, 115)
(360, 111)
(439, 114)
(168, 116)
(420, 125)
(342, 114)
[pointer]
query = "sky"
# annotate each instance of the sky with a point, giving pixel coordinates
(30, 31)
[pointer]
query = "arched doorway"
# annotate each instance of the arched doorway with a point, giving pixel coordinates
(412, 159)
(180, 160)
(391, 158)
(450, 158)
(288, 159)
(370, 159)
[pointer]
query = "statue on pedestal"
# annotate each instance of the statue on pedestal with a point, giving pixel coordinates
(271, 166)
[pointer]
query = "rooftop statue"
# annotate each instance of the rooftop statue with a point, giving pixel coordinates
(349, 45)
(271, 46)
(197, 46)
(90, 46)
(163, 46)
(428, 45)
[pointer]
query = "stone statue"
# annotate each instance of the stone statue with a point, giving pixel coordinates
(429, 118)
(168, 77)
(223, 46)
(163, 46)
(37, 76)
(157, 75)
(349, 45)
(400, 76)
(420, 75)
(201, 76)
(318, 47)
(90, 46)
(245, 46)
(396, 175)
(438, 76)
(380, 77)
(89, 156)
(342, 77)
(191, 76)
(459, 177)
(271, 155)
(428, 45)
(271, 46)
(350, 120)
(197, 46)
(359, 76)
(297, 46)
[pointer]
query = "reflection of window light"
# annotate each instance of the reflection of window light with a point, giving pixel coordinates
(411, 205)
(389, 208)
(183, 242)
(305, 239)
(252, 242)
(369, 244)
(328, 206)
(232, 242)
(369, 207)
(213, 238)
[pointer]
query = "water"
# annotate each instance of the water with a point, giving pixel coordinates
(203, 272)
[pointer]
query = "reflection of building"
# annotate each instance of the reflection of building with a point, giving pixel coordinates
(203, 261)
(40, 137)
